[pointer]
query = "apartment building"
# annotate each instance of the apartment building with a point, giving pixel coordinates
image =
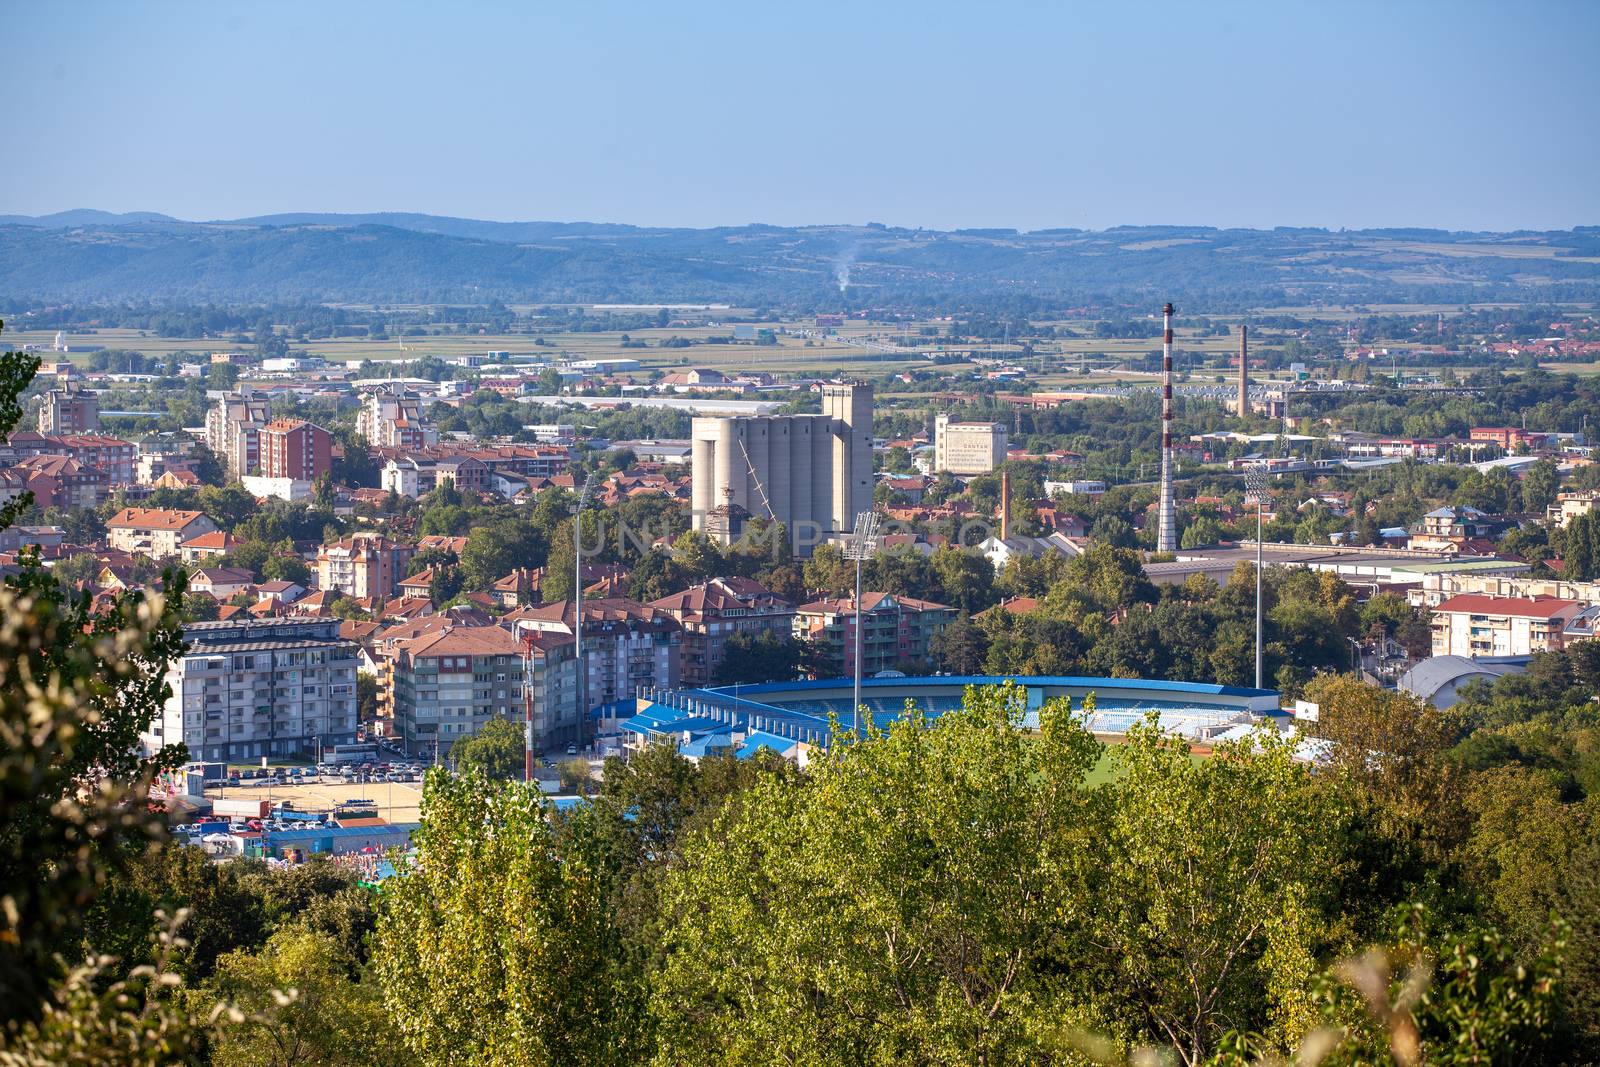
(418, 474)
(112, 455)
(449, 684)
(233, 430)
(363, 565)
(259, 687)
(1568, 506)
(897, 633)
(69, 409)
(1474, 625)
(61, 482)
(155, 532)
(626, 645)
(715, 611)
(967, 448)
(295, 449)
(394, 420)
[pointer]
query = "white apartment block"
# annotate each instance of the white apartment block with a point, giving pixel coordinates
(967, 448)
(233, 430)
(1473, 625)
(1569, 506)
(259, 687)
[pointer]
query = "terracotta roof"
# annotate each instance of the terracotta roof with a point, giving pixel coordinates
(220, 540)
(444, 541)
(465, 641)
(1016, 605)
(845, 605)
(721, 594)
(225, 575)
(153, 519)
(54, 466)
(1539, 607)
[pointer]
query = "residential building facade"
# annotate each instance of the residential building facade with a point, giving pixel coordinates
(259, 687)
(296, 449)
(1475, 625)
(715, 611)
(449, 684)
(233, 430)
(363, 565)
(69, 409)
(627, 646)
(898, 632)
(1568, 506)
(394, 420)
(155, 532)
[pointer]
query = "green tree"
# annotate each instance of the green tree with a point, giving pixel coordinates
(1540, 484)
(493, 551)
(494, 947)
(1209, 921)
(498, 751)
(911, 902)
(960, 648)
(965, 578)
(284, 564)
(760, 657)
(301, 1006)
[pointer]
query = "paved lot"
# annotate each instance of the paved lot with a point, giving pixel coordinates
(397, 801)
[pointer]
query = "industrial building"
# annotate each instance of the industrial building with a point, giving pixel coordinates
(967, 448)
(812, 473)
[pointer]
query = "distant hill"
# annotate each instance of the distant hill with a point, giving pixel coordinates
(89, 255)
(84, 216)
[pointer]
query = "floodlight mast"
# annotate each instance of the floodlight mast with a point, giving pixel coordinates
(860, 545)
(1255, 479)
(577, 600)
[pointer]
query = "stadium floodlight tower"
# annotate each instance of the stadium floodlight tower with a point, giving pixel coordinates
(577, 600)
(1255, 480)
(859, 546)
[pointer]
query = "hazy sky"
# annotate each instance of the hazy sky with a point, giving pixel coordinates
(1335, 113)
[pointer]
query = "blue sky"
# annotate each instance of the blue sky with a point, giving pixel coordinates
(1458, 115)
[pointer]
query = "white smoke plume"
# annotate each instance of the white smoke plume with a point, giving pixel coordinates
(841, 267)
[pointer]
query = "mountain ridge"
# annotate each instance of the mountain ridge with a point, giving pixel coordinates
(88, 255)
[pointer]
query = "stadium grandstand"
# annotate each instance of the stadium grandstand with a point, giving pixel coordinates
(791, 716)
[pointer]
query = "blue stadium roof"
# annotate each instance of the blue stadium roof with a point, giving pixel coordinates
(803, 711)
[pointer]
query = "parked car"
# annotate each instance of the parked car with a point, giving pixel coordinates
(572, 750)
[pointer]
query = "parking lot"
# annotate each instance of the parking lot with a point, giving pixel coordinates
(396, 801)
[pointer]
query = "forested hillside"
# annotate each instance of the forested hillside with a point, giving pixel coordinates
(85, 255)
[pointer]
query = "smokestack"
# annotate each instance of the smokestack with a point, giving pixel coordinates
(1167, 532)
(1005, 504)
(1244, 371)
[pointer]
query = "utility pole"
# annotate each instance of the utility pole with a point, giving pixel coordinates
(1255, 479)
(860, 545)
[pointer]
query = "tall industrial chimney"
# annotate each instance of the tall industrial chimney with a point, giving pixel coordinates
(1167, 532)
(1244, 372)
(1005, 504)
